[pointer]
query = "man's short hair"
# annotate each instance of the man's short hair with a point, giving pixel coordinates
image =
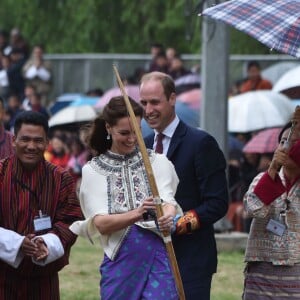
(165, 79)
(31, 118)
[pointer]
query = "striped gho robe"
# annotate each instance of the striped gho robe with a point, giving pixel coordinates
(22, 194)
(6, 147)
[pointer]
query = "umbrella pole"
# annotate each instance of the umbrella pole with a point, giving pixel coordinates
(166, 235)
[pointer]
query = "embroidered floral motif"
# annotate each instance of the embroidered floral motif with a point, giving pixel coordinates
(127, 180)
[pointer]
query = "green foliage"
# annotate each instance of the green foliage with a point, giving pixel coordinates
(241, 43)
(119, 26)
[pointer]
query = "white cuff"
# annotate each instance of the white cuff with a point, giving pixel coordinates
(55, 248)
(10, 243)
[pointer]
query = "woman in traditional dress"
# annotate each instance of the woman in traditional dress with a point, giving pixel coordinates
(273, 248)
(116, 200)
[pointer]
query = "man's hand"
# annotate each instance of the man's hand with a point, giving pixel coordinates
(42, 251)
(28, 247)
(35, 248)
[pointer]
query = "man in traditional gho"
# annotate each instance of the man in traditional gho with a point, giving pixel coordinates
(37, 205)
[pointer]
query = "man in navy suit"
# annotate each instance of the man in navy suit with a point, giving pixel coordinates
(202, 191)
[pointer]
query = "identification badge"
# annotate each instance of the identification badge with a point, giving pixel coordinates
(276, 227)
(42, 222)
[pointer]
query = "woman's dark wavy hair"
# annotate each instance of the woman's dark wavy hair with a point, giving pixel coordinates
(114, 110)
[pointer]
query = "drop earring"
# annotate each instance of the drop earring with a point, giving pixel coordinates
(108, 137)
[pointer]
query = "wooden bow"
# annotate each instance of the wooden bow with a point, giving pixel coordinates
(153, 186)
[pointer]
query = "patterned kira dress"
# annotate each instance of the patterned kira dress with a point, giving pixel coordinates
(273, 248)
(135, 264)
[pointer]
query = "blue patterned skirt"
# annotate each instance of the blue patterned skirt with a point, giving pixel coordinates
(141, 269)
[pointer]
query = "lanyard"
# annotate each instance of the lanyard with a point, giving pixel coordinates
(36, 194)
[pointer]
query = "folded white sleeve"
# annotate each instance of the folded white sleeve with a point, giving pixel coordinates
(10, 243)
(55, 248)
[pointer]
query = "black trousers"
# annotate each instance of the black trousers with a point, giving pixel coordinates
(198, 289)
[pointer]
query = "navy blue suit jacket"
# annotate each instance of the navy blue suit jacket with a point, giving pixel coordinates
(200, 166)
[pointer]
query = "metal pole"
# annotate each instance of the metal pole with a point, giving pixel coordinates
(214, 81)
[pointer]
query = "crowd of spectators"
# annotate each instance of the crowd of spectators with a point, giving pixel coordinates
(25, 77)
(252, 82)
(243, 167)
(169, 61)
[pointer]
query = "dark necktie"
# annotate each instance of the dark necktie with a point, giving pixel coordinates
(159, 145)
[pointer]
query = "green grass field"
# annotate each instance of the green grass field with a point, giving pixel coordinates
(80, 279)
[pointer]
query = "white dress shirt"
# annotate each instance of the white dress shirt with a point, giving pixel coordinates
(168, 133)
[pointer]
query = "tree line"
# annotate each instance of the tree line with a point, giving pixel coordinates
(118, 26)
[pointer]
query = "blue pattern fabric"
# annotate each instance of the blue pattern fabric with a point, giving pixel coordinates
(141, 269)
